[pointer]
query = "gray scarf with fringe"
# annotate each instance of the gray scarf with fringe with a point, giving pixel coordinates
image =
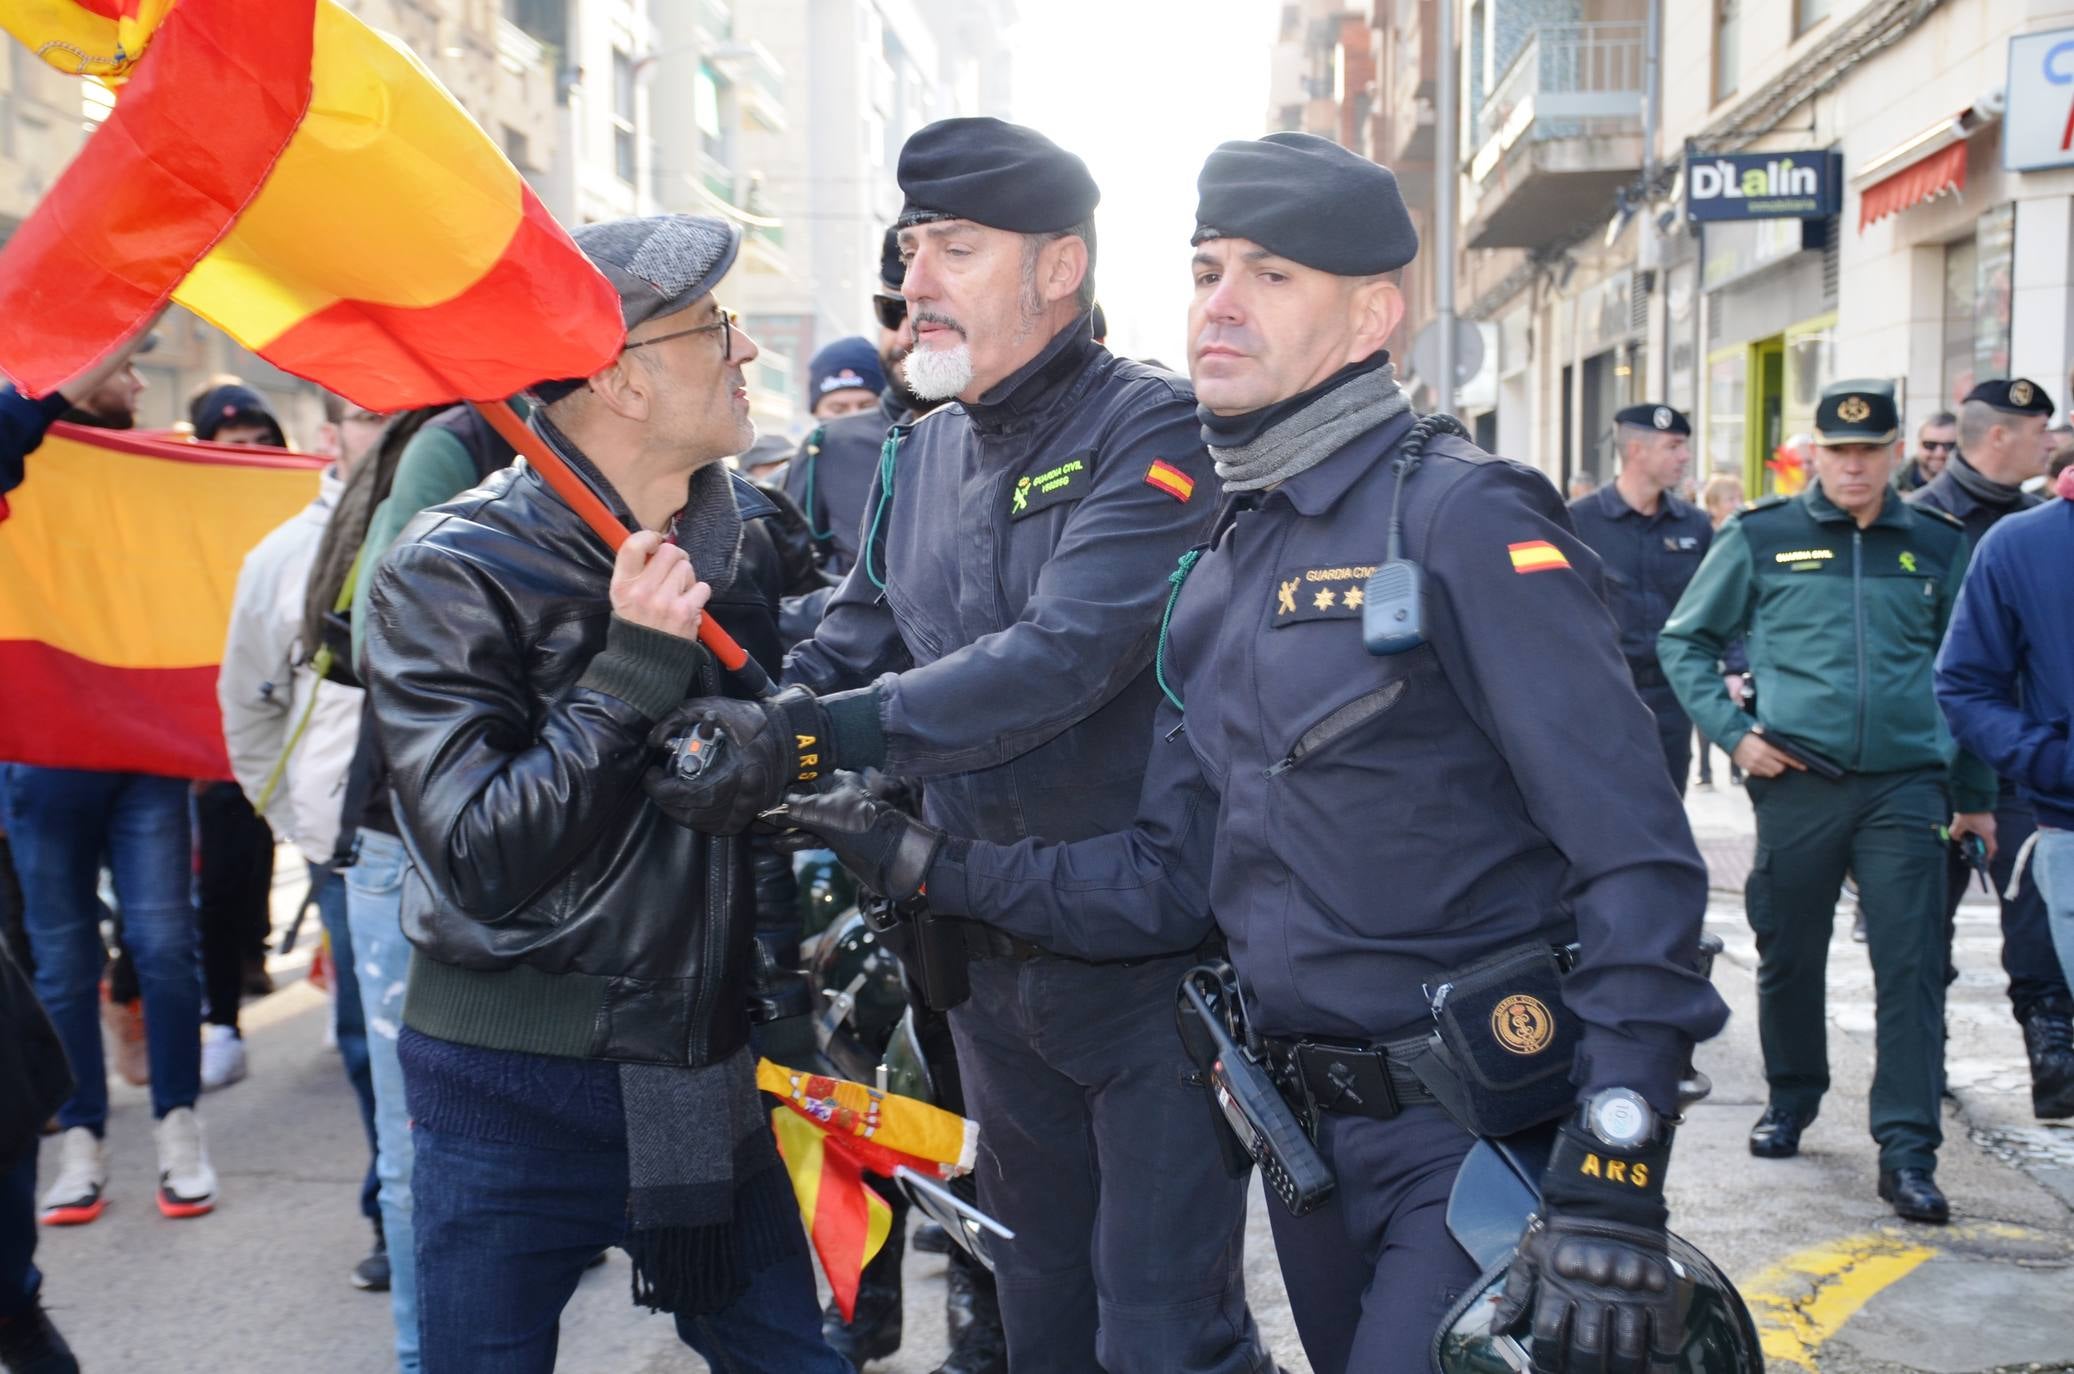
(1311, 435)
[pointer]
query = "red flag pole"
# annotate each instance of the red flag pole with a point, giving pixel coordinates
(600, 518)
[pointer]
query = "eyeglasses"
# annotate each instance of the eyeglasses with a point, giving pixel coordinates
(1940, 445)
(726, 324)
(891, 309)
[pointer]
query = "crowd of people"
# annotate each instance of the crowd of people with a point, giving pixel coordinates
(1177, 667)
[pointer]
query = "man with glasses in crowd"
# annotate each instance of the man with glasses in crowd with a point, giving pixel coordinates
(1936, 441)
(832, 473)
(575, 1043)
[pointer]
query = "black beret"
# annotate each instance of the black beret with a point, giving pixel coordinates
(1857, 412)
(2017, 395)
(1655, 417)
(892, 271)
(1307, 199)
(994, 173)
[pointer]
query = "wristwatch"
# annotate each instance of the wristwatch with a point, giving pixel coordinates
(1620, 1119)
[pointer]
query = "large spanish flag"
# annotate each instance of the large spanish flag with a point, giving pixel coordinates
(118, 560)
(304, 183)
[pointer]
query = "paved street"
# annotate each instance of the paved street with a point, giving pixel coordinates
(1838, 1284)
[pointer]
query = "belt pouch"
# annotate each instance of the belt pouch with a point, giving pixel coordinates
(1505, 1036)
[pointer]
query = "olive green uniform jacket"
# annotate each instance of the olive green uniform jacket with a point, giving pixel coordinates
(1842, 627)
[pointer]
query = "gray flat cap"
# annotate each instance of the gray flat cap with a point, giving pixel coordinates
(662, 263)
(658, 264)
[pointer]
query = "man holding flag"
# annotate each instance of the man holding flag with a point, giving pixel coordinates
(575, 1029)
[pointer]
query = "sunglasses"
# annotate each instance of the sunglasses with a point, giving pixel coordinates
(726, 324)
(1941, 445)
(891, 310)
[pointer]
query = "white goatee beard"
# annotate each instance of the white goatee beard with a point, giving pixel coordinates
(939, 374)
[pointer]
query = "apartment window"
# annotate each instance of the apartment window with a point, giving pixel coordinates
(623, 147)
(705, 112)
(1808, 13)
(518, 148)
(1728, 24)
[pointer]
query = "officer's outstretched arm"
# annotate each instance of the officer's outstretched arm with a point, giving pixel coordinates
(1138, 892)
(1714, 611)
(1526, 640)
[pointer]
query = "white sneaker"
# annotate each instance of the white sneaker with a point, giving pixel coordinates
(78, 1194)
(186, 1182)
(223, 1057)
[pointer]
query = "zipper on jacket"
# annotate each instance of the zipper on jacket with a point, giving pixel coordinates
(1356, 712)
(1858, 615)
(720, 855)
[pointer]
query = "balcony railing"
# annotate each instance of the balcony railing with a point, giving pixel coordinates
(1566, 76)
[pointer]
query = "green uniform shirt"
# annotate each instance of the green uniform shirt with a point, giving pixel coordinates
(1842, 627)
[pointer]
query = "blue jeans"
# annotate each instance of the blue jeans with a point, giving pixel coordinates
(330, 888)
(61, 823)
(2053, 860)
(19, 1280)
(506, 1229)
(380, 959)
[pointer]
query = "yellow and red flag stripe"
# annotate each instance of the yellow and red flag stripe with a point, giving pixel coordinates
(305, 184)
(1170, 479)
(831, 1132)
(118, 561)
(847, 1222)
(1536, 555)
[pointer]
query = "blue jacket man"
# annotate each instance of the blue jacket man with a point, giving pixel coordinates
(994, 641)
(1361, 823)
(2005, 679)
(2003, 425)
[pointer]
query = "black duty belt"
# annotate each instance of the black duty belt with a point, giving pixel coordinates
(1373, 1080)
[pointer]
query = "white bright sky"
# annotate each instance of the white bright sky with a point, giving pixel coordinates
(1143, 90)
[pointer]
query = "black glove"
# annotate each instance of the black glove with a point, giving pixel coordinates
(1593, 1277)
(888, 850)
(723, 761)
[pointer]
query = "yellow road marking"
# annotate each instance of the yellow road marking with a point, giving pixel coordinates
(1804, 1299)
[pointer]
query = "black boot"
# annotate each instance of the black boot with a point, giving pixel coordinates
(973, 1314)
(2049, 1040)
(1915, 1195)
(29, 1344)
(874, 1332)
(371, 1275)
(1777, 1134)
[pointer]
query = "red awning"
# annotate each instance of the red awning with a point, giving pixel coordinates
(1944, 170)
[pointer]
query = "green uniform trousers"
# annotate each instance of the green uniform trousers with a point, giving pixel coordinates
(1883, 828)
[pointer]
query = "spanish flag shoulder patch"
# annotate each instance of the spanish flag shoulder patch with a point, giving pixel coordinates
(1170, 479)
(1536, 555)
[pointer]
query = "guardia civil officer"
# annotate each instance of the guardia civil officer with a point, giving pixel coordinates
(1841, 594)
(995, 640)
(1650, 544)
(2005, 442)
(1362, 825)
(831, 475)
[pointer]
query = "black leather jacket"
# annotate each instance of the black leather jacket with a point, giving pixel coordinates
(517, 786)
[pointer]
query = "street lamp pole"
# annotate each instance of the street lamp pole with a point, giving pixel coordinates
(1444, 160)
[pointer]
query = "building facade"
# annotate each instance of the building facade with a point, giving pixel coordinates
(1613, 248)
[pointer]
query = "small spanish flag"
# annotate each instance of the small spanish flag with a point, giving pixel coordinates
(1170, 479)
(1536, 555)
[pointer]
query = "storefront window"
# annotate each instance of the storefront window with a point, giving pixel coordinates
(1977, 280)
(1681, 300)
(1810, 365)
(1728, 394)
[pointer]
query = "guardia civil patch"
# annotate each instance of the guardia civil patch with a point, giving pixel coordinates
(1051, 484)
(1335, 593)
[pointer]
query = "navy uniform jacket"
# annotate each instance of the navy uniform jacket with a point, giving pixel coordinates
(22, 424)
(831, 475)
(1977, 517)
(1362, 824)
(1648, 559)
(1025, 555)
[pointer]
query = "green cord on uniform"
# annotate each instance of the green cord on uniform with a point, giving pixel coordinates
(813, 466)
(1166, 618)
(878, 510)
